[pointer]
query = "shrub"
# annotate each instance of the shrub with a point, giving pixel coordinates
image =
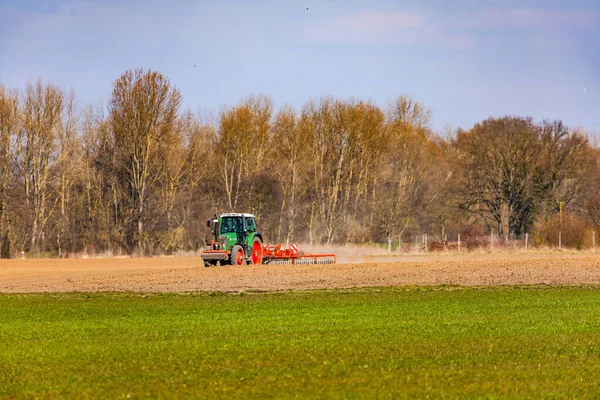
(473, 238)
(575, 233)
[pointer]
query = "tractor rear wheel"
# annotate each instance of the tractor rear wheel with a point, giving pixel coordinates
(237, 257)
(257, 251)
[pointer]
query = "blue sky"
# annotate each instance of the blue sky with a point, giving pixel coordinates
(467, 60)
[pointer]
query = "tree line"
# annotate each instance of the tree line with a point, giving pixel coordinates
(142, 175)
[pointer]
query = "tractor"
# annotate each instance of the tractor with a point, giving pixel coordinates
(238, 242)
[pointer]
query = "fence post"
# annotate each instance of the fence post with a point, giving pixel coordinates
(526, 240)
(459, 242)
(426, 243)
(491, 240)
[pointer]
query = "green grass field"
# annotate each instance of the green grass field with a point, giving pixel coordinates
(377, 343)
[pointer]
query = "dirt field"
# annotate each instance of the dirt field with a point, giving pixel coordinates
(175, 274)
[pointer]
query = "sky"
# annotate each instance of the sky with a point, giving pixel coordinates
(468, 60)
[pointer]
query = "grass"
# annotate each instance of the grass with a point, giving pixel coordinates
(448, 342)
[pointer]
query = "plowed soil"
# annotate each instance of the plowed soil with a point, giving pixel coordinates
(180, 274)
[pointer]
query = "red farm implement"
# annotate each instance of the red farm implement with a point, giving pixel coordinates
(277, 255)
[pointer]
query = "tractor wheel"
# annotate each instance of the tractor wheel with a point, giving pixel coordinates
(207, 263)
(257, 251)
(237, 256)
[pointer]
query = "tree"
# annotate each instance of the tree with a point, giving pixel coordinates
(515, 170)
(324, 122)
(367, 142)
(9, 122)
(242, 146)
(69, 166)
(440, 210)
(498, 159)
(186, 157)
(409, 113)
(143, 113)
(565, 164)
(37, 154)
(98, 220)
(402, 179)
(290, 157)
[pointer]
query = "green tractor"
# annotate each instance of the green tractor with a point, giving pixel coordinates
(236, 240)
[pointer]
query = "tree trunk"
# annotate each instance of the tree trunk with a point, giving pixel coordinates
(5, 250)
(311, 222)
(34, 236)
(140, 226)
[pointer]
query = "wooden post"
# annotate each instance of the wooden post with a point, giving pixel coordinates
(426, 249)
(491, 240)
(526, 240)
(561, 204)
(459, 242)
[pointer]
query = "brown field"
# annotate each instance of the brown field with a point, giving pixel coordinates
(179, 274)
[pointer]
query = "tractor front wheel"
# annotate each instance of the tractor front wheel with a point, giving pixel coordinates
(237, 256)
(257, 251)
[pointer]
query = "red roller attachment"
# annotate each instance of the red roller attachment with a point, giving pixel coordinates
(277, 255)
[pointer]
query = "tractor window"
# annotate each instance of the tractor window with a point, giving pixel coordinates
(231, 224)
(250, 225)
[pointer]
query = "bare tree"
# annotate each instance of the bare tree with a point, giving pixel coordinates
(69, 165)
(499, 158)
(409, 113)
(143, 113)
(565, 163)
(367, 142)
(9, 122)
(37, 153)
(290, 156)
(186, 157)
(401, 186)
(104, 208)
(242, 145)
(329, 152)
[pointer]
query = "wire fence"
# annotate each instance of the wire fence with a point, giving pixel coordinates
(424, 243)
